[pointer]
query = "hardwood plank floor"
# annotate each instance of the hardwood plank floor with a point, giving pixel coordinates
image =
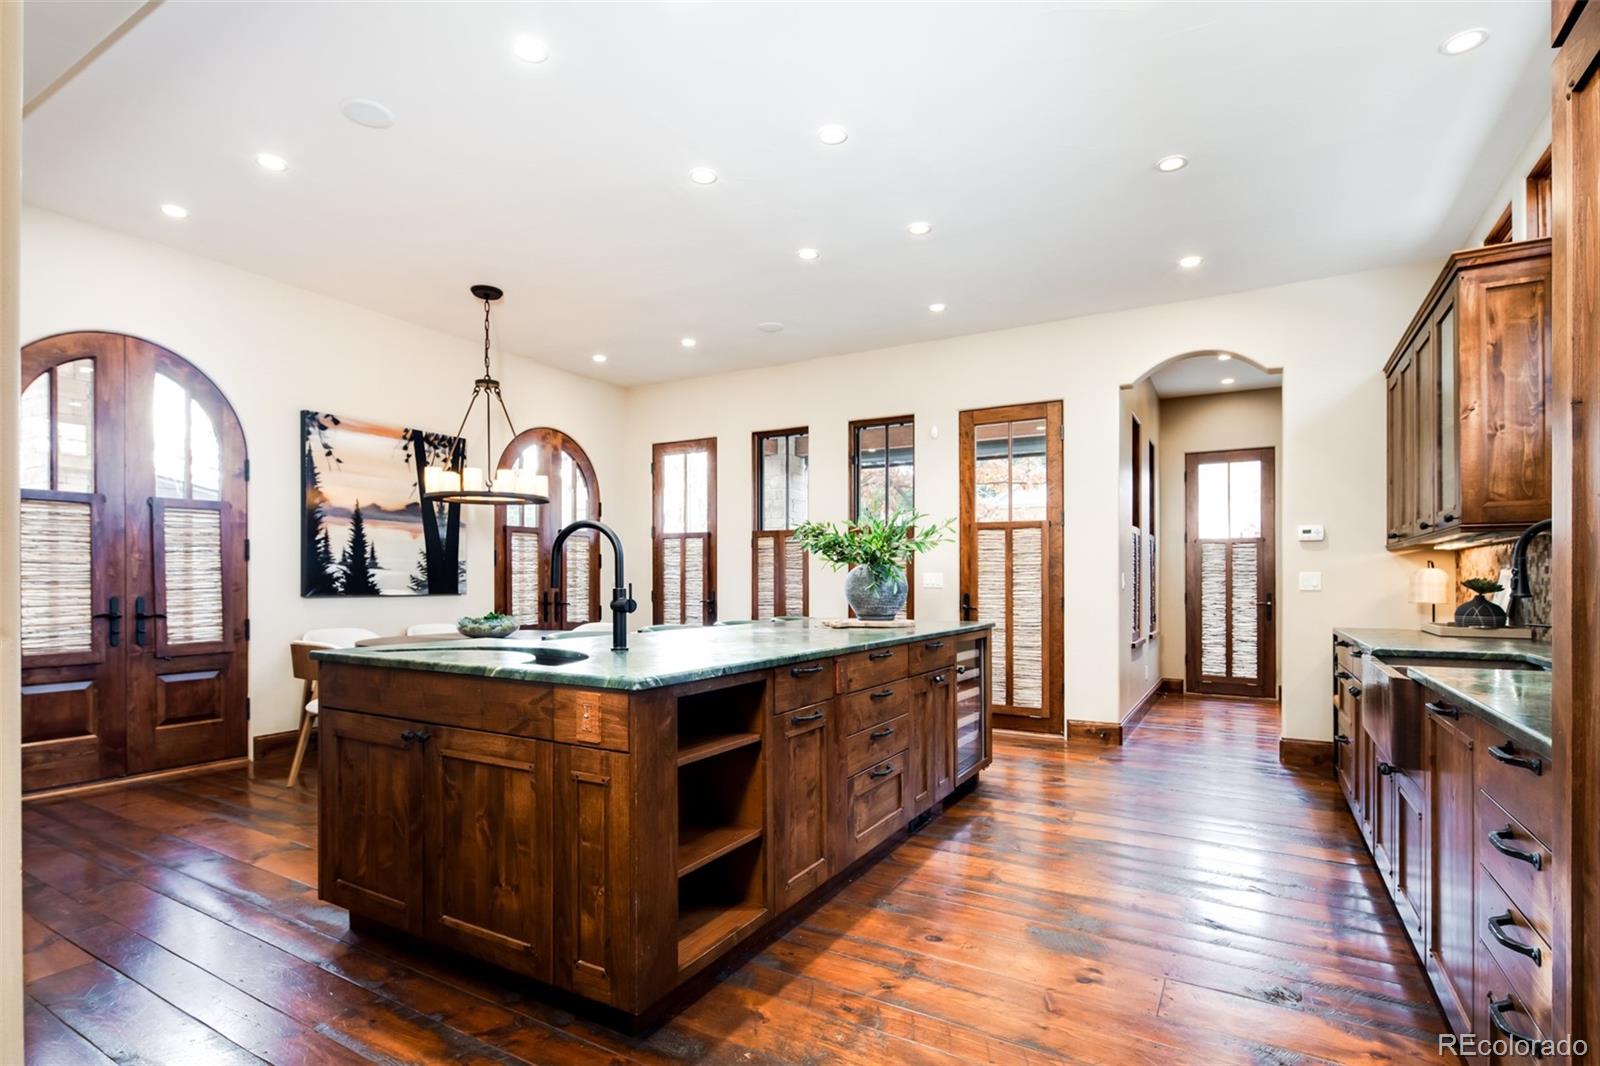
(1182, 899)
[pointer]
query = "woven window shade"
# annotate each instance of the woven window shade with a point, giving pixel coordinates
(766, 577)
(794, 578)
(672, 580)
(577, 571)
(992, 590)
(191, 545)
(1213, 609)
(57, 588)
(1027, 618)
(526, 575)
(694, 580)
(1243, 609)
(1136, 565)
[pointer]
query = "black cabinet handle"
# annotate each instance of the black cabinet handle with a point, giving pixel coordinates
(934, 645)
(1424, 525)
(1344, 675)
(113, 614)
(883, 771)
(1497, 841)
(140, 617)
(802, 671)
(418, 735)
(1385, 769)
(1507, 753)
(1354, 690)
(881, 733)
(1340, 642)
(875, 656)
(1356, 653)
(1497, 925)
(1443, 710)
(1448, 517)
(882, 694)
(1393, 535)
(1340, 738)
(812, 717)
(1497, 1012)
(938, 679)
(961, 669)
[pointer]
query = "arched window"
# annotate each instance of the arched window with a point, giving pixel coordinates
(523, 536)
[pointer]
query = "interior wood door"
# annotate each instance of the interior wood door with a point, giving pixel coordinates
(1230, 573)
(524, 534)
(1011, 565)
(683, 532)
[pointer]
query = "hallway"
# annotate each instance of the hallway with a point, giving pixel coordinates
(1181, 899)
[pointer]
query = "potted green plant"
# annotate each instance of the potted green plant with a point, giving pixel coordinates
(1479, 612)
(877, 551)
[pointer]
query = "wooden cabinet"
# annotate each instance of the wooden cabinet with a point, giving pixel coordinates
(1468, 387)
(801, 809)
(1412, 853)
(879, 804)
(1449, 746)
(932, 731)
(972, 740)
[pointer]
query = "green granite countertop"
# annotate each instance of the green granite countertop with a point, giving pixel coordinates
(653, 660)
(1415, 642)
(1517, 701)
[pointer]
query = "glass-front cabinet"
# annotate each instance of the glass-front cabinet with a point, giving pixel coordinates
(972, 705)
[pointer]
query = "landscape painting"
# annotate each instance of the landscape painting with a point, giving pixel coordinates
(364, 528)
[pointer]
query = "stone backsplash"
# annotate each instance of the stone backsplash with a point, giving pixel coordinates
(1490, 559)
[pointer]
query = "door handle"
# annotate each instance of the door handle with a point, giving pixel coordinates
(1266, 605)
(711, 607)
(966, 607)
(140, 617)
(113, 614)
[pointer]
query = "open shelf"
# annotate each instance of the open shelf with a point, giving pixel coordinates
(702, 929)
(698, 845)
(693, 749)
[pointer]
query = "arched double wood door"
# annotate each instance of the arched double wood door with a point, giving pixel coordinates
(523, 535)
(133, 563)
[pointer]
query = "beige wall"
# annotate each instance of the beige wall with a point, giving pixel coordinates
(1251, 419)
(1139, 664)
(1513, 190)
(274, 349)
(10, 694)
(1329, 336)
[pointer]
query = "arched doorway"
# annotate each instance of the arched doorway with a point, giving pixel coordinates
(133, 581)
(523, 534)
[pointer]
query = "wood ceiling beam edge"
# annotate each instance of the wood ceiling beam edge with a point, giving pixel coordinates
(127, 24)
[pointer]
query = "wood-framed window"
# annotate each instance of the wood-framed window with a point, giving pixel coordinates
(683, 532)
(1500, 232)
(883, 478)
(524, 533)
(778, 582)
(1538, 192)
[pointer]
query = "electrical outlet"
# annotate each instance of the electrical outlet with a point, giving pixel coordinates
(1311, 581)
(933, 579)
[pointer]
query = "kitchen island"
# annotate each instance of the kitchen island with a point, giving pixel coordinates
(614, 823)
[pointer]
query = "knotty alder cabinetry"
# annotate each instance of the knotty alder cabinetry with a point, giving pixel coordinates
(1468, 394)
(616, 843)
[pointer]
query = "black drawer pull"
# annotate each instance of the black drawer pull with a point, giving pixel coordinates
(1356, 653)
(882, 694)
(1340, 642)
(1497, 841)
(812, 717)
(1354, 690)
(883, 771)
(1443, 710)
(879, 734)
(802, 671)
(1507, 753)
(934, 645)
(1497, 926)
(1498, 1008)
(938, 679)
(418, 735)
(875, 656)
(1393, 535)
(1385, 769)
(1340, 738)
(1344, 675)
(1424, 525)
(961, 669)
(1448, 518)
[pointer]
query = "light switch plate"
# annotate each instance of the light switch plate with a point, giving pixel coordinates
(933, 579)
(1311, 581)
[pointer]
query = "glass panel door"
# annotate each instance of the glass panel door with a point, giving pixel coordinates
(1230, 573)
(683, 533)
(524, 534)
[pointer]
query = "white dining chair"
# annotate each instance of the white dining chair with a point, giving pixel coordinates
(431, 629)
(305, 669)
(592, 627)
(338, 636)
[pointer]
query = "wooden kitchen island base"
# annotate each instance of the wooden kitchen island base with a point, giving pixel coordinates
(615, 843)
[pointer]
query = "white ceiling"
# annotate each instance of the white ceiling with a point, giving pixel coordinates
(1203, 373)
(1325, 138)
(59, 33)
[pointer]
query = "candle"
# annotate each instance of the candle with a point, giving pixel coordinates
(472, 479)
(505, 480)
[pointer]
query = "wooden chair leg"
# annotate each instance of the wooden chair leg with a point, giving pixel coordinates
(306, 720)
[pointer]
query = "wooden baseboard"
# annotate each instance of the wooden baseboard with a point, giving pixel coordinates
(1105, 734)
(112, 784)
(268, 743)
(1131, 720)
(1305, 754)
(1172, 685)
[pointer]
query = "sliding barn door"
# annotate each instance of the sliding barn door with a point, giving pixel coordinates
(683, 534)
(1011, 572)
(1230, 573)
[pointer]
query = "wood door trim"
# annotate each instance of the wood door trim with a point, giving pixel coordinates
(557, 441)
(1053, 721)
(855, 489)
(658, 537)
(1266, 685)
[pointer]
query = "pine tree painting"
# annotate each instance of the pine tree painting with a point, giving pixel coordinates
(364, 528)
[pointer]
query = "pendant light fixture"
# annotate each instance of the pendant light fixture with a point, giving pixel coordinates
(458, 483)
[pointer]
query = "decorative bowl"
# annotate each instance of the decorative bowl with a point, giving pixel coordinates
(489, 625)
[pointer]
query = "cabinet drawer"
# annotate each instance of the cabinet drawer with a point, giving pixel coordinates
(878, 743)
(866, 668)
(1513, 944)
(803, 684)
(1348, 656)
(863, 710)
(1500, 1017)
(1501, 838)
(936, 654)
(1526, 792)
(879, 799)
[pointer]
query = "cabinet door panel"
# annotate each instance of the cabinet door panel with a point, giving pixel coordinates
(941, 725)
(487, 873)
(880, 803)
(800, 801)
(371, 818)
(1452, 931)
(590, 816)
(1411, 855)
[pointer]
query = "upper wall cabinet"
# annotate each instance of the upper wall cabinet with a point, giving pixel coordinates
(1468, 399)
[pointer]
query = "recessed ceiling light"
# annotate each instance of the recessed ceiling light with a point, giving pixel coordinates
(598, 357)
(936, 308)
(1465, 41)
(833, 135)
(703, 176)
(1169, 163)
(275, 163)
(810, 255)
(1227, 381)
(770, 327)
(1223, 357)
(530, 49)
(1189, 262)
(920, 229)
(174, 211)
(368, 113)
(688, 342)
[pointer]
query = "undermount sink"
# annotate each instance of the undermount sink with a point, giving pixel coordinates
(510, 653)
(1436, 661)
